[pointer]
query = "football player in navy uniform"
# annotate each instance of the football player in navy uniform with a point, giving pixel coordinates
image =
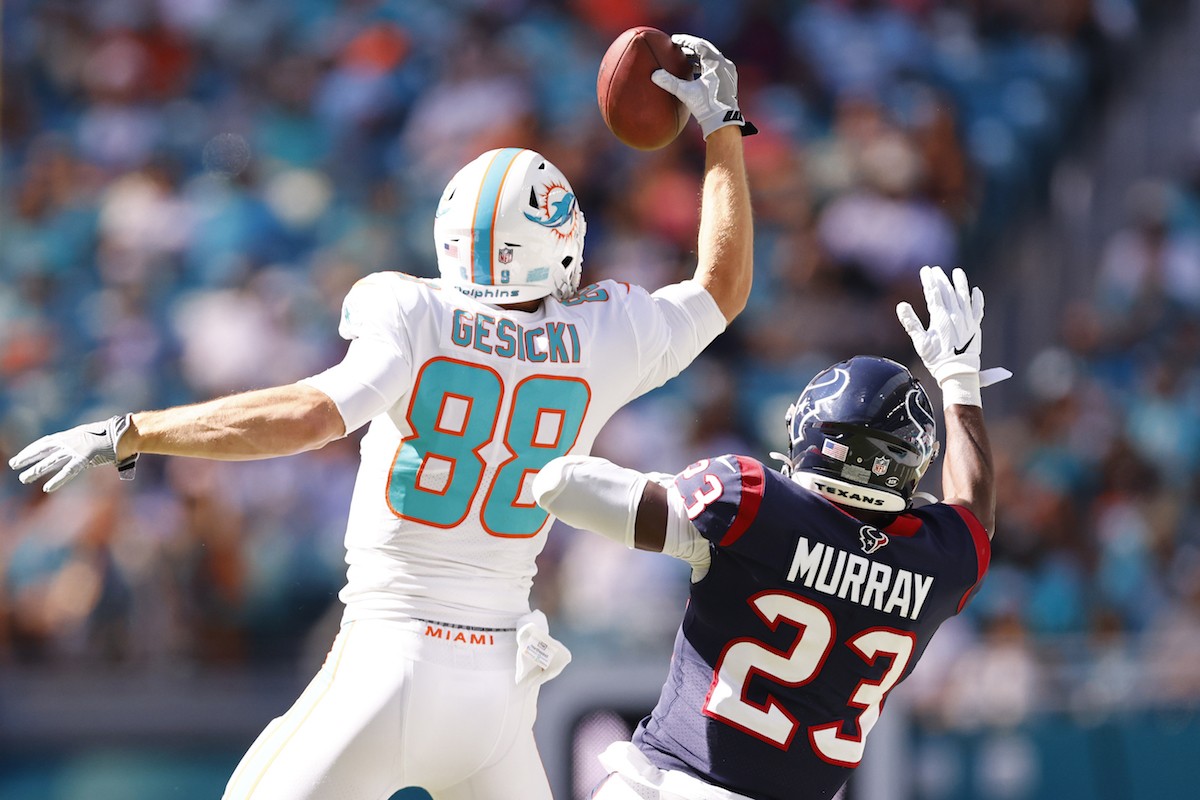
(815, 590)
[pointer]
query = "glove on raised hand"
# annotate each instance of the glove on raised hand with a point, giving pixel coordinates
(72, 451)
(711, 97)
(950, 346)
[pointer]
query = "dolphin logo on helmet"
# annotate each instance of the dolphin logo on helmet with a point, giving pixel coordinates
(563, 210)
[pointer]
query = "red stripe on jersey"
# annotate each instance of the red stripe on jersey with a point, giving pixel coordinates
(753, 481)
(905, 525)
(983, 550)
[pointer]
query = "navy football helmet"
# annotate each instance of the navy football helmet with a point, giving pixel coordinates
(862, 433)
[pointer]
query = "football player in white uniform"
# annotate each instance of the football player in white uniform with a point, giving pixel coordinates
(470, 383)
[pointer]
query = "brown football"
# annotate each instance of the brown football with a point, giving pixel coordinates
(639, 113)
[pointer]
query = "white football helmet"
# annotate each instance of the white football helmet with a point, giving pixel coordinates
(508, 229)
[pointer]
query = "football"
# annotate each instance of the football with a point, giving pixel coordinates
(638, 112)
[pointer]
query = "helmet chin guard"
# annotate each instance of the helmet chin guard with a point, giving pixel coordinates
(850, 494)
(862, 434)
(508, 229)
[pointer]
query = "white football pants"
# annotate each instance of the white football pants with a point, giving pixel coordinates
(401, 704)
(633, 777)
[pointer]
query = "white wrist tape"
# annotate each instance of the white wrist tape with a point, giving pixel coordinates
(682, 539)
(961, 390)
(592, 494)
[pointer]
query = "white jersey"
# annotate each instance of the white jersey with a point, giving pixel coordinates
(466, 402)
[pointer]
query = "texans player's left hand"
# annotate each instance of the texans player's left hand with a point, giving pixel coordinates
(950, 346)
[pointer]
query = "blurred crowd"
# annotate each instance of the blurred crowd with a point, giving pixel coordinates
(191, 186)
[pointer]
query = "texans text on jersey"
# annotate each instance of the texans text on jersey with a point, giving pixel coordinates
(849, 576)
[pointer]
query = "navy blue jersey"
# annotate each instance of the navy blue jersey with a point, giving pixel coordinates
(805, 621)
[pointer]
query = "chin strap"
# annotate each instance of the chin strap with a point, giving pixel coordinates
(788, 466)
(925, 497)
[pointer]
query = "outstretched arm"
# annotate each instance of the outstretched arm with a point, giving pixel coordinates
(950, 349)
(725, 246)
(259, 424)
(968, 478)
(621, 504)
(650, 524)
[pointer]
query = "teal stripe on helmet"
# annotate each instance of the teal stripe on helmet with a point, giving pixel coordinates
(483, 245)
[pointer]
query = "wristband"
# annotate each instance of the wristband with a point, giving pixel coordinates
(961, 389)
(126, 469)
(682, 540)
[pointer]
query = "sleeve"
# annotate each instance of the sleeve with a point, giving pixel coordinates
(367, 382)
(981, 545)
(721, 496)
(592, 493)
(377, 369)
(374, 308)
(963, 540)
(673, 326)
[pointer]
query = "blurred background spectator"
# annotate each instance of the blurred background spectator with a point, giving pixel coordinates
(191, 186)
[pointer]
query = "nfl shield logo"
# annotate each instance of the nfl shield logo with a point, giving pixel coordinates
(880, 467)
(504, 255)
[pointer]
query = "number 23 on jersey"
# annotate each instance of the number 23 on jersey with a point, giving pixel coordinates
(744, 658)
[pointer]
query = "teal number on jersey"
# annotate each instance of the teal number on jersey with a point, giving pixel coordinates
(588, 294)
(546, 416)
(454, 413)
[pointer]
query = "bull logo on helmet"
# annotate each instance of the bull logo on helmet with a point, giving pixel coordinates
(830, 388)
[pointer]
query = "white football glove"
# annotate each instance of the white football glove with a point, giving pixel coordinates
(712, 96)
(72, 451)
(950, 346)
